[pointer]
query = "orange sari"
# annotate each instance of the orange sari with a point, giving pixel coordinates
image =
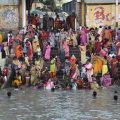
(18, 51)
(97, 67)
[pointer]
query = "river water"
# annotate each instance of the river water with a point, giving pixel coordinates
(29, 104)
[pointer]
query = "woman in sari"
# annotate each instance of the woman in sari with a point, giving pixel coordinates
(6, 49)
(1, 37)
(104, 67)
(108, 34)
(114, 63)
(98, 46)
(53, 68)
(89, 70)
(65, 46)
(49, 85)
(74, 39)
(118, 34)
(79, 83)
(104, 52)
(118, 50)
(100, 33)
(44, 37)
(47, 52)
(105, 80)
(29, 50)
(97, 65)
(83, 36)
(83, 53)
(35, 44)
(18, 51)
(51, 39)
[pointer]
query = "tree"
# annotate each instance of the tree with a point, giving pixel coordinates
(42, 1)
(50, 3)
(28, 6)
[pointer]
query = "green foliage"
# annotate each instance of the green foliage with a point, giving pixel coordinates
(42, 1)
(50, 3)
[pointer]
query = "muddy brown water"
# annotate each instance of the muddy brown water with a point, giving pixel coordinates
(29, 104)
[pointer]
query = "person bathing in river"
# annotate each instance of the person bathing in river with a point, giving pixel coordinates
(79, 83)
(49, 85)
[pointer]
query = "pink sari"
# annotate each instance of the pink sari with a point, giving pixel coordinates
(83, 36)
(103, 53)
(66, 48)
(47, 52)
(49, 85)
(89, 68)
(106, 80)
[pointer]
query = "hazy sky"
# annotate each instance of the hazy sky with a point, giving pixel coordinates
(68, 0)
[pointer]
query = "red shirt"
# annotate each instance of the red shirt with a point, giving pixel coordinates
(5, 71)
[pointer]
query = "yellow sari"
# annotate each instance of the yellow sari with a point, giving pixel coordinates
(97, 66)
(104, 67)
(1, 38)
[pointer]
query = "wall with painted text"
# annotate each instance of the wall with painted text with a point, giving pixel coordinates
(101, 15)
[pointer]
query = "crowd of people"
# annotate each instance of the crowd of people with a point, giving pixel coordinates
(27, 59)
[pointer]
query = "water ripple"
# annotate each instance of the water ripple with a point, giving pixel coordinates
(59, 105)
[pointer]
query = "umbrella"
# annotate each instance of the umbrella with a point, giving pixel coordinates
(35, 11)
(63, 15)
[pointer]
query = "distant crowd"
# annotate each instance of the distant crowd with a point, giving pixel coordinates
(28, 58)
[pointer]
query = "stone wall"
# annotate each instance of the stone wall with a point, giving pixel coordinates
(9, 14)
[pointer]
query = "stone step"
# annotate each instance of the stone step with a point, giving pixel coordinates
(57, 51)
(73, 51)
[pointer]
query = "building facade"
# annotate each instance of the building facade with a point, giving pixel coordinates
(9, 14)
(75, 6)
(59, 3)
(94, 12)
(102, 14)
(69, 7)
(13, 13)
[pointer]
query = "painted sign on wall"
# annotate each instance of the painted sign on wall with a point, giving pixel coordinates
(101, 15)
(9, 17)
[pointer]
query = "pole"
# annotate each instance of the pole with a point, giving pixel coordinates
(23, 13)
(75, 24)
(83, 12)
(116, 17)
